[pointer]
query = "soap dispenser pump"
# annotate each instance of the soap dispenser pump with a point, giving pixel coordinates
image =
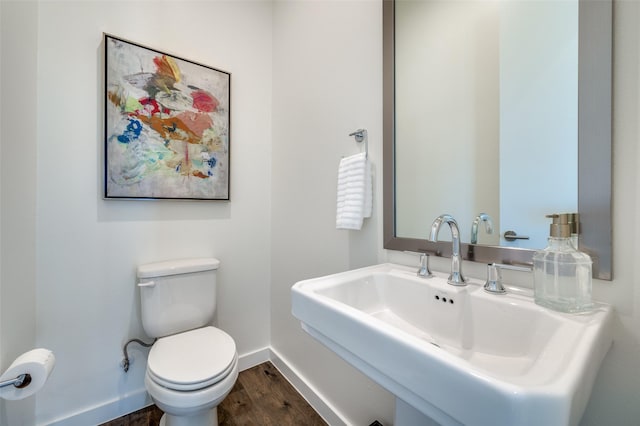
(561, 273)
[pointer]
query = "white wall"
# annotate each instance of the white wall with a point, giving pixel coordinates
(539, 116)
(448, 125)
(327, 83)
(18, 35)
(616, 395)
(88, 248)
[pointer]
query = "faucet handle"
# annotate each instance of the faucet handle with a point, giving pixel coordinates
(494, 280)
(494, 277)
(424, 271)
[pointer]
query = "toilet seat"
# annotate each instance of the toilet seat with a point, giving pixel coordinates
(192, 360)
(181, 403)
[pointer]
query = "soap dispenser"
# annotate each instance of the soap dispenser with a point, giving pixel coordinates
(561, 273)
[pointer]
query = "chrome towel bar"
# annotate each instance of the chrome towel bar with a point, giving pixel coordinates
(361, 135)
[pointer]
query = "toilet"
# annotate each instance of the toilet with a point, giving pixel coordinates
(192, 366)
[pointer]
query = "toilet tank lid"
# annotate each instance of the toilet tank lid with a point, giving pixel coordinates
(175, 267)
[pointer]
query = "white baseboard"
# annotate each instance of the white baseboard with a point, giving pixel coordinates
(326, 410)
(254, 358)
(139, 398)
(102, 413)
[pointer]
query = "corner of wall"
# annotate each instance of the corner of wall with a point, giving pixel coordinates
(18, 135)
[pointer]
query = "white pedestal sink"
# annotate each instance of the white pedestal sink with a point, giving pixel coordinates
(457, 355)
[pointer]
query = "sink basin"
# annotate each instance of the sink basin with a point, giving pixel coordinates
(458, 355)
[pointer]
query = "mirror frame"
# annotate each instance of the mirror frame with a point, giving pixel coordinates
(594, 148)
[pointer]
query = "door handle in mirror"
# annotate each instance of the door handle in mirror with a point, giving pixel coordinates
(512, 236)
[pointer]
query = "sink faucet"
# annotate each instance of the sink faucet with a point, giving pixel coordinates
(456, 277)
(488, 226)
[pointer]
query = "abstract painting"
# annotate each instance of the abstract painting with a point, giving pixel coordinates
(166, 125)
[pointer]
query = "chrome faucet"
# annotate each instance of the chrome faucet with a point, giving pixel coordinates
(456, 277)
(488, 226)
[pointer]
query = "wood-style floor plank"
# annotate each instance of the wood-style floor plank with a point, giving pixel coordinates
(237, 408)
(260, 397)
(277, 399)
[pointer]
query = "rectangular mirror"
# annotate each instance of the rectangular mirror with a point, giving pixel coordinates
(497, 110)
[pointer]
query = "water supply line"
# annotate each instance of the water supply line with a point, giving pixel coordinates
(125, 362)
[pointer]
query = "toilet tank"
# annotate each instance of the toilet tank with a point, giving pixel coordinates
(177, 295)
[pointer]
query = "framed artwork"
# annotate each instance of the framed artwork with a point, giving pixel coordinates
(166, 125)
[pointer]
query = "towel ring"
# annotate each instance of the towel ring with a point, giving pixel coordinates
(361, 135)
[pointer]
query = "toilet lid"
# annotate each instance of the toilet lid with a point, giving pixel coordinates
(193, 359)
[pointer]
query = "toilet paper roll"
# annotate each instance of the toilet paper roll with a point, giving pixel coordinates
(38, 363)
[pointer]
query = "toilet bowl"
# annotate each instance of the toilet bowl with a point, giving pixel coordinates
(192, 366)
(189, 374)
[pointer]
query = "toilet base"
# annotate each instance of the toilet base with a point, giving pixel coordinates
(204, 418)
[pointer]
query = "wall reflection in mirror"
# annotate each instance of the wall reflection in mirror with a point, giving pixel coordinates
(486, 99)
(487, 105)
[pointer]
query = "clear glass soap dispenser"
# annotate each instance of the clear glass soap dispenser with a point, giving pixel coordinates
(561, 273)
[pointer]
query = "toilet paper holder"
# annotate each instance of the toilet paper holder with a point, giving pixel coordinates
(22, 381)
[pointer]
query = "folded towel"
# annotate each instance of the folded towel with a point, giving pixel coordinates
(368, 190)
(355, 192)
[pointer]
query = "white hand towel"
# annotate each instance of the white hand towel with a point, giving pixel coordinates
(368, 190)
(355, 192)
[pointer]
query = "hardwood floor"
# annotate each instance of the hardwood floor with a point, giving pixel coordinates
(260, 397)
